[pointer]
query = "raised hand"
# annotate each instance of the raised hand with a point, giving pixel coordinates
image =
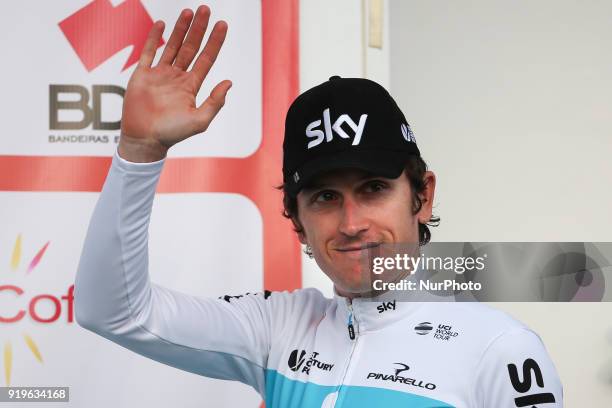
(159, 108)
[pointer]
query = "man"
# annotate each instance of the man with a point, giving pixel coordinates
(353, 182)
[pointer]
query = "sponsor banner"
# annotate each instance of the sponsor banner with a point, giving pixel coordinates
(76, 57)
(63, 103)
(489, 272)
(42, 345)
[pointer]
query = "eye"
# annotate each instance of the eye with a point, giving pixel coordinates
(324, 196)
(375, 186)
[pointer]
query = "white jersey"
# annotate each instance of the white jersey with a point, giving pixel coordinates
(301, 349)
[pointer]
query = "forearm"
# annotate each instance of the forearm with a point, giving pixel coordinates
(112, 283)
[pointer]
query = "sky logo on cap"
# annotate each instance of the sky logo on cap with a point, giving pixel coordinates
(327, 133)
(407, 133)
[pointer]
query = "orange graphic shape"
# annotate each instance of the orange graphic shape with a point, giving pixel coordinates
(8, 362)
(16, 255)
(33, 347)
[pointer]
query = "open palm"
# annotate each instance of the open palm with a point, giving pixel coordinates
(159, 107)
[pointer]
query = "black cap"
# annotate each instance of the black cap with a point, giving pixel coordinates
(344, 123)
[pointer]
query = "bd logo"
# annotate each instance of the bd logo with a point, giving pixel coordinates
(97, 32)
(92, 115)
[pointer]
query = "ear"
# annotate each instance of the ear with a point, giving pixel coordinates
(298, 226)
(302, 238)
(427, 197)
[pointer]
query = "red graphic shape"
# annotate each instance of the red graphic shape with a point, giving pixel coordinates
(98, 31)
(254, 176)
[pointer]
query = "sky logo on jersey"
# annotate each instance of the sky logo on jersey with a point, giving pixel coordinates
(384, 306)
(423, 328)
(529, 366)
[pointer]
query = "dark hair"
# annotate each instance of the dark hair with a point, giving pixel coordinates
(415, 170)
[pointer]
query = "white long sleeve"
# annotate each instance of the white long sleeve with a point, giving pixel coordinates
(115, 298)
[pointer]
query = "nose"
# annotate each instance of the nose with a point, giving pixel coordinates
(354, 219)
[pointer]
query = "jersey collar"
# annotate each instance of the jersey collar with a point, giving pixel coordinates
(374, 313)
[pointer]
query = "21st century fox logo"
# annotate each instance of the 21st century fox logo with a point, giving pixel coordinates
(298, 362)
(92, 33)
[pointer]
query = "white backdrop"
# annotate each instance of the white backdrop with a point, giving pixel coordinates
(511, 105)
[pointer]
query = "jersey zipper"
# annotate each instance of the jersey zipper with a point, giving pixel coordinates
(351, 328)
(354, 336)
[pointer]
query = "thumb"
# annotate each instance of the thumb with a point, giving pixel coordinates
(212, 105)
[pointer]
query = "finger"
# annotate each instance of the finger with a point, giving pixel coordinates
(207, 57)
(176, 38)
(148, 52)
(194, 38)
(212, 105)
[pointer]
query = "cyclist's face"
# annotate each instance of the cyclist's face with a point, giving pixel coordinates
(345, 212)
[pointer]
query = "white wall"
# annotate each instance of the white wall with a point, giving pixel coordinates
(332, 43)
(511, 108)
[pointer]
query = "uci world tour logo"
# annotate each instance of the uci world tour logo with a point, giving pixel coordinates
(42, 308)
(99, 30)
(423, 328)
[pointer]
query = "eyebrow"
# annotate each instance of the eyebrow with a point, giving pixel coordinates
(314, 185)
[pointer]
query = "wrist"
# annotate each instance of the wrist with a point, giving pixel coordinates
(141, 150)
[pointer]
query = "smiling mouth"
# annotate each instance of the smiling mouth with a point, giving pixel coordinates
(367, 245)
